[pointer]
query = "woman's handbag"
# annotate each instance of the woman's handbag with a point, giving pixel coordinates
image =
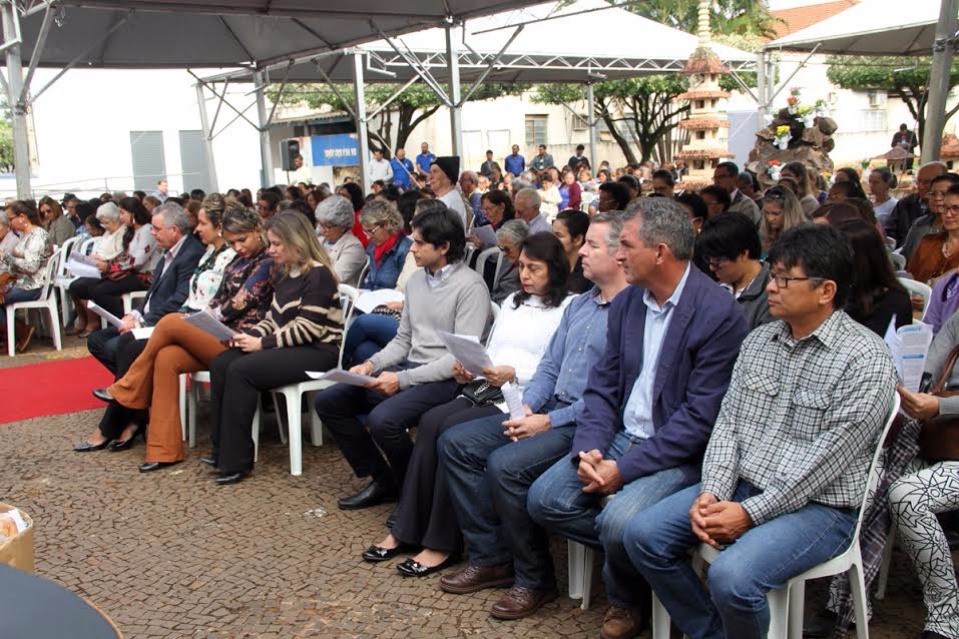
(482, 393)
(939, 436)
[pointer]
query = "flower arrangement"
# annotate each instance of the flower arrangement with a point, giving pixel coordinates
(773, 170)
(807, 114)
(821, 108)
(782, 137)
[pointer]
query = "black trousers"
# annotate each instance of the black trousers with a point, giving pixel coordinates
(387, 423)
(425, 515)
(107, 294)
(124, 349)
(236, 379)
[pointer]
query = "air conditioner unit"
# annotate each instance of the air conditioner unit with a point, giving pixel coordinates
(877, 99)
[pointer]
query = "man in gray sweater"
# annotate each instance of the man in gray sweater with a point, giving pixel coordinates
(415, 370)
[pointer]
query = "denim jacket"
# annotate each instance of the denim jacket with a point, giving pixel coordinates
(385, 274)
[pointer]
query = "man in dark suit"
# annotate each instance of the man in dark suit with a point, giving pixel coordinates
(115, 346)
(650, 403)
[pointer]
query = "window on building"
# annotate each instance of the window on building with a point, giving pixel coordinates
(872, 120)
(700, 135)
(193, 161)
(579, 122)
(149, 165)
(535, 130)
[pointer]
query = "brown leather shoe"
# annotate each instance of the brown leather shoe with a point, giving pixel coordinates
(474, 578)
(621, 623)
(24, 337)
(521, 602)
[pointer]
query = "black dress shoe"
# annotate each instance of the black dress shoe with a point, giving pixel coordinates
(149, 467)
(413, 568)
(102, 394)
(87, 447)
(370, 495)
(375, 554)
(209, 461)
(230, 478)
(127, 444)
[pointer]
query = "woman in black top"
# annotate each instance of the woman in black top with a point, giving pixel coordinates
(570, 228)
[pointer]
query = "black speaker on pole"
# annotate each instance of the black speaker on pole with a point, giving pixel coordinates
(289, 149)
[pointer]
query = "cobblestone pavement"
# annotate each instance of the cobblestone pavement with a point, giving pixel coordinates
(170, 554)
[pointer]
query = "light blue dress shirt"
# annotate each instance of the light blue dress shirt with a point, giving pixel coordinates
(638, 415)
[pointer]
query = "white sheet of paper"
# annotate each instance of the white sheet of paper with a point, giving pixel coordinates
(105, 314)
(486, 235)
(82, 268)
(205, 321)
(368, 300)
(143, 333)
(343, 377)
(909, 347)
(468, 351)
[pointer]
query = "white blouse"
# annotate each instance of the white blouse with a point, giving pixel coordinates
(521, 335)
(110, 244)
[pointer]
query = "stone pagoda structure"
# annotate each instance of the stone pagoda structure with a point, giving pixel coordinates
(707, 124)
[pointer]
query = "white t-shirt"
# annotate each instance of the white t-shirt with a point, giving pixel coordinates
(454, 201)
(883, 210)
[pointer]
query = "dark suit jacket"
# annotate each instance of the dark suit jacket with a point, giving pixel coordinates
(170, 289)
(696, 361)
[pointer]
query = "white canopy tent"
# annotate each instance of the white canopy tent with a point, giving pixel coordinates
(195, 33)
(583, 42)
(888, 28)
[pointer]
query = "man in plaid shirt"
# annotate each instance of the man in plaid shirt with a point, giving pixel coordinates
(786, 466)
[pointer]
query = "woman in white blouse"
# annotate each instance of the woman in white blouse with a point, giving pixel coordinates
(424, 518)
(27, 263)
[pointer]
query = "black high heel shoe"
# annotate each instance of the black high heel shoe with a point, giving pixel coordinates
(87, 447)
(126, 444)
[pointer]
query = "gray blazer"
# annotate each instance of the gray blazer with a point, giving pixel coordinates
(348, 257)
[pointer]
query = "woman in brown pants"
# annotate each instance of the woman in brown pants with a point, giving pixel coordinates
(176, 347)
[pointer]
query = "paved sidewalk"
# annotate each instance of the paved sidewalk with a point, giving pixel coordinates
(170, 554)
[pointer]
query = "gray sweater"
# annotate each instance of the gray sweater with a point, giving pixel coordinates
(459, 304)
(942, 344)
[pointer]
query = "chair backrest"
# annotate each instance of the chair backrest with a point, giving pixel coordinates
(348, 295)
(64, 254)
(363, 272)
(917, 288)
(480, 266)
(69, 243)
(873, 477)
(50, 271)
(898, 261)
(86, 246)
(494, 310)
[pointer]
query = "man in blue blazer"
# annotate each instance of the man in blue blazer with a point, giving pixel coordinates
(116, 347)
(650, 403)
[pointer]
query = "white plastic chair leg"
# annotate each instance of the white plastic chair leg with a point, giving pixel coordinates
(575, 554)
(858, 584)
(11, 332)
(589, 556)
(316, 425)
(294, 421)
(183, 402)
(797, 603)
(256, 429)
(886, 563)
(661, 621)
(55, 329)
(193, 399)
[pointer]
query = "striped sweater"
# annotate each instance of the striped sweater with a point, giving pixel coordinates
(305, 311)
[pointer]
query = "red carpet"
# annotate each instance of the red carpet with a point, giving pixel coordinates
(51, 388)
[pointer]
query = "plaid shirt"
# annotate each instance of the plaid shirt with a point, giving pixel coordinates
(801, 417)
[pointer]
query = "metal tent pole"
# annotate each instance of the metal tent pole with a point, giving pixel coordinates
(362, 139)
(761, 105)
(207, 138)
(939, 80)
(18, 107)
(266, 155)
(456, 114)
(591, 122)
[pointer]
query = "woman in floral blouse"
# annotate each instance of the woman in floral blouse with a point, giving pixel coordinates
(27, 264)
(175, 347)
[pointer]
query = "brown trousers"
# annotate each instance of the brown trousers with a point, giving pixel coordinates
(174, 348)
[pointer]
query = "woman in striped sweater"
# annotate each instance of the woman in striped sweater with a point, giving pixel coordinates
(301, 332)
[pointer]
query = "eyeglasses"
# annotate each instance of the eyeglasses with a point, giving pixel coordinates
(371, 231)
(505, 249)
(953, 209)
(937, 194)
(782, 281)
(717, 263)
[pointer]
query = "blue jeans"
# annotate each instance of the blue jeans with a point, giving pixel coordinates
(367, 336)
(489, 477)
(557, 502)
(764, 558)
(15, 295)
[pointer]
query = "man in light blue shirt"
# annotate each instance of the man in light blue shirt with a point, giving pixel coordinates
(424, 160)
(402, 169)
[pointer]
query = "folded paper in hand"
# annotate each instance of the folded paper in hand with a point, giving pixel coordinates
(343, 377)
(105, 314)
(486, 235)
(205, 321)
(81, 266)
(468, 351)
(369, 300)
(909, 347)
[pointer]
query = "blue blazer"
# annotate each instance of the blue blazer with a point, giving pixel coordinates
(169, 289)
(695, 364)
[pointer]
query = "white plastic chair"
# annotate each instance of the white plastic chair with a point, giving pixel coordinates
(917, 288)
(481, 260)
(786, 604)
(580, 561)
(898, 261)
(62, 280)
(129, 298)
(47, 301)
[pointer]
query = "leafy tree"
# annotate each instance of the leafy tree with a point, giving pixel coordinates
(904, 77)
(739, 17)
(415, 104)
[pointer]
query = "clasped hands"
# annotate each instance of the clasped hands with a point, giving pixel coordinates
(717, 522)
(598, 475)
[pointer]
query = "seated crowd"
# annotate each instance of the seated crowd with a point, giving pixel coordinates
(695, 368)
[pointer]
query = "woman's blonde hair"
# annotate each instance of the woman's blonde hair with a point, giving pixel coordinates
(793, 214)
(298, 237)
(381, 213)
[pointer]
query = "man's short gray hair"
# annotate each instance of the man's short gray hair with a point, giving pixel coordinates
(530, 196)
(173, 215)
(615, 221)
(663, 221)
(4, 221)
(471, 176)
(335, 211)
(108, 211)
(515, 230)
